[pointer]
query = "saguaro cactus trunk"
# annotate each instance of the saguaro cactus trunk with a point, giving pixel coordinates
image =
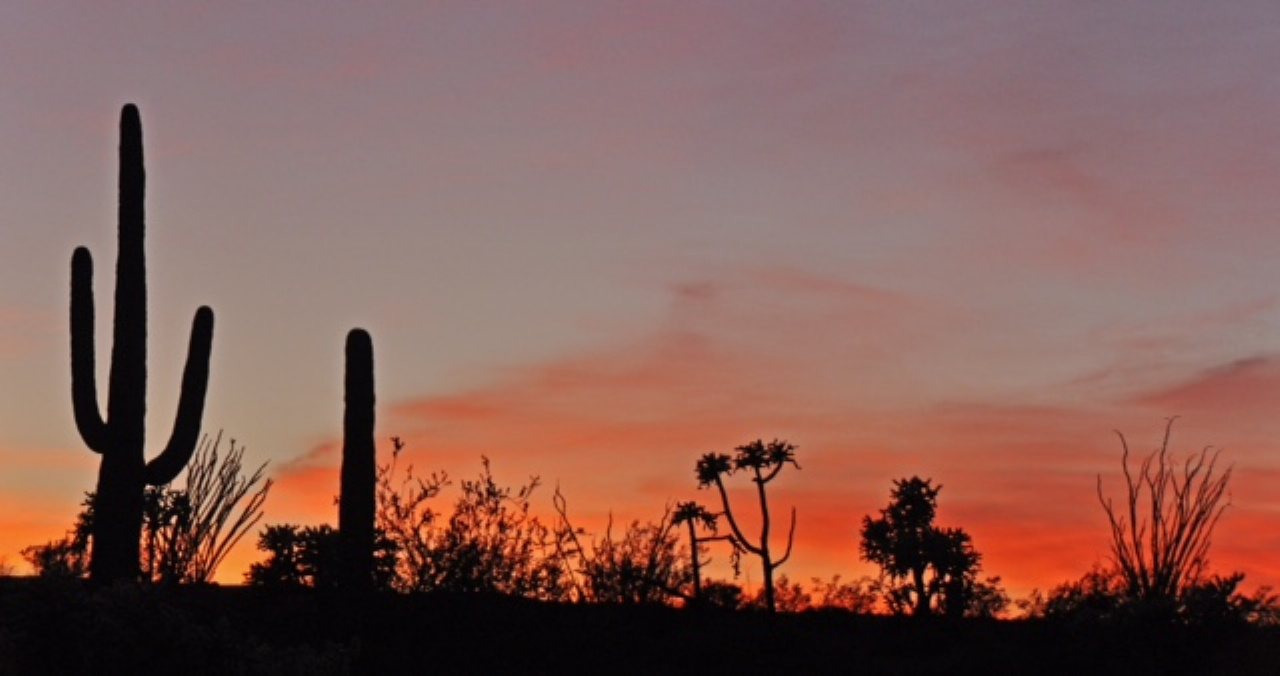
(356, 502)
(119, 438)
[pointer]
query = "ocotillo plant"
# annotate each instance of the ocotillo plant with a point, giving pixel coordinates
(119, 438)
(764, 462)
(356, 501)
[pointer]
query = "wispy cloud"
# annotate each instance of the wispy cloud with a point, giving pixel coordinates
(1246, 388)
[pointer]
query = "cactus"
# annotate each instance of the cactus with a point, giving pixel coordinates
(356, 502)
(119, 438)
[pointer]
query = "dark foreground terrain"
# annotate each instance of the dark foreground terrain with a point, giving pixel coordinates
(69, 629)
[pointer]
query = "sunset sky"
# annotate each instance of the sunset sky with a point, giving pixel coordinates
(595, 240)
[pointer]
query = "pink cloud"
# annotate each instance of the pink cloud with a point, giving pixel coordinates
(1243, 388)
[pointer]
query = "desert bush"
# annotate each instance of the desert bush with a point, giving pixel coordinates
(1103, 595)
(491, 543)
(646, 565)
(67, 557)
(858, 596)
(307, 556)
(188, 532)
(724, 594)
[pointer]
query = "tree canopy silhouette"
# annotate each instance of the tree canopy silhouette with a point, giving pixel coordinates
(928, 569)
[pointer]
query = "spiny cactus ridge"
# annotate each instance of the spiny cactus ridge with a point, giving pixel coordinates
(124, 472)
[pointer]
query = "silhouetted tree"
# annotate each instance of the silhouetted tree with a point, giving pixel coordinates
(928, 569)
(357, 502)
(120, 437)
(763, 462)
(1160, 535)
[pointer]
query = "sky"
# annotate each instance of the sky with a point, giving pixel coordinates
(593, 241)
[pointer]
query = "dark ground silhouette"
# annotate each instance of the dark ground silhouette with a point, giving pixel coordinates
(70, 629)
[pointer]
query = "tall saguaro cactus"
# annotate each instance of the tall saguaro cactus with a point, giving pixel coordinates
(119, 438)
(356, 502)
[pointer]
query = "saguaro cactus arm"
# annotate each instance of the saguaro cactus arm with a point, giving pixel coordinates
(186, 427)
(84, 377)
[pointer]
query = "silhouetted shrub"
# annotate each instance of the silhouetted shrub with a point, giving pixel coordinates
(405, 515)
(307, 556)
(788, 597)
(489, 544)
(1102, 595)
(68, 557)
(645, 565)
(858, 596)
(723, 594)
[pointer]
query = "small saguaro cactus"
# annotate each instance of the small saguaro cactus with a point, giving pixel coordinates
(356, 502)
(124, 471)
